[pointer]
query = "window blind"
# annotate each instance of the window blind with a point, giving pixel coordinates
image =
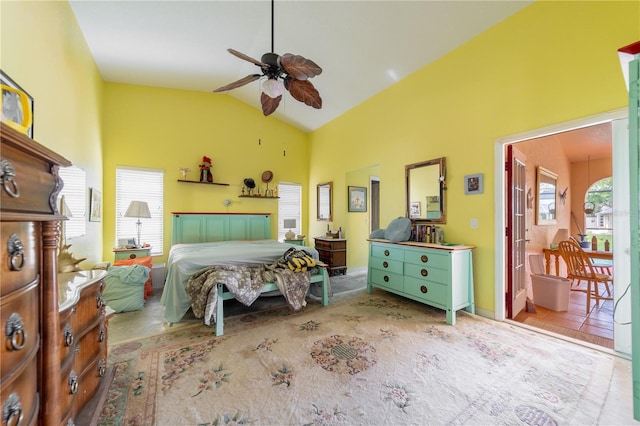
(75, 198)
(289, 207)
(134, 184)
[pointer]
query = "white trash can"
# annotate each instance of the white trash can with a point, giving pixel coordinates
(549, 291)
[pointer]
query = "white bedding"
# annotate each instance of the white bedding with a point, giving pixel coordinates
(186, 259)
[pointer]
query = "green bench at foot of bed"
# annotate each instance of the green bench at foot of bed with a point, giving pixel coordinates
(223, 294)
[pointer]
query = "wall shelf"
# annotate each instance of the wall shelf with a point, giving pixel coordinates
(257, 196)
(204, 183)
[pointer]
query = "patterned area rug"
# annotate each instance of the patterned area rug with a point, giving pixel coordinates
(363, 360)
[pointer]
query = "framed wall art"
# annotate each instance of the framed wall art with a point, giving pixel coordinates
(473, 184)
(17, 106)
(357, 198)
(415, 210)
(95, 209)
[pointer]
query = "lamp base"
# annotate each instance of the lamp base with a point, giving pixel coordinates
(290, 235)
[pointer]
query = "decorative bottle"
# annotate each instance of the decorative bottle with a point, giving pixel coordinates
(340, 232)
(607, 246)
(594, 243)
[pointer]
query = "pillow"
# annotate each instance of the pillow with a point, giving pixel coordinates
(124, 287)
(144, 261)
(377, 234)
(398, 230)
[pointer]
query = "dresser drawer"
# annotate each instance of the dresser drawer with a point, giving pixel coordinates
(426, 272)
(33, 183)
(394, 266)
(89, 383)
(331, 244)
(19, 266)
(69, 387)
(68, 336)
(386, 279)
(19, 316)
(23, 390)
(88, 309)
(89, 348)
(428, 257)
(429, 291)
(387, 252)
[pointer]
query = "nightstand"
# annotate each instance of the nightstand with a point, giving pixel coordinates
(295, 242)
(131, 253)
(333, 252)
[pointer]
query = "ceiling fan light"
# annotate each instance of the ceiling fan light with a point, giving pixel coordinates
(272, 88)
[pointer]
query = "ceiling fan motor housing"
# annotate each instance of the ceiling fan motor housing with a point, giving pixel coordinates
(271, 59)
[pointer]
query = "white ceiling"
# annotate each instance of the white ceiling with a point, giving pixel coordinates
(362, 46)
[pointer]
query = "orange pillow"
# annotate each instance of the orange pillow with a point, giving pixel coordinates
(144, 261)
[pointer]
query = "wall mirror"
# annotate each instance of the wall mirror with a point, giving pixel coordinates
(546, 202)
(325, 201)
(425, 191)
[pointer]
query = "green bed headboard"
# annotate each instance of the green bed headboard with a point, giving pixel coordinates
(207, 227)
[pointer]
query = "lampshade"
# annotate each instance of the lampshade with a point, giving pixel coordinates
(289, 223)
(562, 234)
(138, 209)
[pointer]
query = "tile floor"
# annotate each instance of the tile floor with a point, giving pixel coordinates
(594, 326)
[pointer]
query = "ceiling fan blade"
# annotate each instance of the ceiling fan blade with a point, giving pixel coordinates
(247, 58)
(246, 80)
(269, 105)
(303, 91)
(299, 67)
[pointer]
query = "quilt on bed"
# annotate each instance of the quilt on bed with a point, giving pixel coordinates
(245, 282)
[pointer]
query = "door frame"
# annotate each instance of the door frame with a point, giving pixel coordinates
(500, 183)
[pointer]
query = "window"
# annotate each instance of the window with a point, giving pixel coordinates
(289, 207)
(134, 184)
(598, 218)
(75, 200)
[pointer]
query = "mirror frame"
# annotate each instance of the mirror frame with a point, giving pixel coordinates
(547, 175)
(318, 194)
(441, 163)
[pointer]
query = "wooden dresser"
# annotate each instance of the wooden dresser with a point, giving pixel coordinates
(33, 380)
(439, 276)
(333, 252)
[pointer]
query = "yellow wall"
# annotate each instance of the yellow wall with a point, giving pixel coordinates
(550, 63)
(165, 129)
(44, 51)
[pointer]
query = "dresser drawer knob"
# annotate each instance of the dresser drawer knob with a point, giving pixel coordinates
(102, 367)
(12, 413)
(100, 301)
(424, 272)
(68, 335)
(386, 253)
(424, 289)
(424, 258)
(386, 279)
(73, 383)
(385, 264)
(14, 329)
(15, 249)
(7, 175)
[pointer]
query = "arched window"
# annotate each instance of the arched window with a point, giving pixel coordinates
(598, 212)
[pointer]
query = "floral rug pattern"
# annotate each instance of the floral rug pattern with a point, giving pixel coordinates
(366, 359)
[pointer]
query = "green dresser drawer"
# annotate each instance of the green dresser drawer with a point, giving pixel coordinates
(426, 290)
(386, 279)
(428, 257)
(387, 251)
(394, 266)
(426, 272)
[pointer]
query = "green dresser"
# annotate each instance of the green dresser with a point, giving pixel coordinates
(131, 253)
(439, 276)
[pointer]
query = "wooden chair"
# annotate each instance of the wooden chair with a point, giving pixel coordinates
(581, 268)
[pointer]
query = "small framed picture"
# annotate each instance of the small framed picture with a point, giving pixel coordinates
(95, 207)
(473, 184)
(17, 106)
(415, 210)
(357, 199)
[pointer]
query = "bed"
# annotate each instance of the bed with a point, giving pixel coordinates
(201, 240)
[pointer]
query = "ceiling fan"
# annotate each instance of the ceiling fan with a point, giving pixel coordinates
(288, 71)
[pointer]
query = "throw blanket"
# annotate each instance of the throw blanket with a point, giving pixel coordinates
(245, 282)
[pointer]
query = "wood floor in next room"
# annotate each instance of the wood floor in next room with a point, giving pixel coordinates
(594, 326)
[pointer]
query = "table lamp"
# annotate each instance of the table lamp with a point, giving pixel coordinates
(289, 223)
(138, 209)
(562, 234)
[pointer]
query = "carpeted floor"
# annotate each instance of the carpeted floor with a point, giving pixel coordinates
(365, 359)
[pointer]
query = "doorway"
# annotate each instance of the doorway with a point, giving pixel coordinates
(544, 235)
